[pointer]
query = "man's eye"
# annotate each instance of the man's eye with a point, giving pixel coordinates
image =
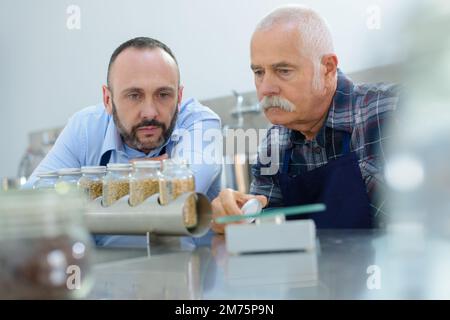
(164, 95)
(258, 73)
(284, 72)
(133, 96)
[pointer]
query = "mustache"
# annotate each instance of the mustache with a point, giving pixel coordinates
(148, 123)
(131, 138)
(277, 101)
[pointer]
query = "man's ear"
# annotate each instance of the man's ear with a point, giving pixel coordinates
(107, 99)
(330, 62)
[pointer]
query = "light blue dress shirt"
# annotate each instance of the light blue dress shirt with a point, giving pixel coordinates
(91, 132)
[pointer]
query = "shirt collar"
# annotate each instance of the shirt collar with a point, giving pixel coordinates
(340, 114)
(113, 141)
(298, 138)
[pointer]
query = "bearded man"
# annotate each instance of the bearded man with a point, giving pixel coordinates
(141, 117)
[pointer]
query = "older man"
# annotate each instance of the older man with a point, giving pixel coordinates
(330, 130)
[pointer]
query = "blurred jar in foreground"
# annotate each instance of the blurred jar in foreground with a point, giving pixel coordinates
(144, 181)
(417, 168)
(91, 181)
(46, 180)
(44, 246)
(176, 179)
(116, 182)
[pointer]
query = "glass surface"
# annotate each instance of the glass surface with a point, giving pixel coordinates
(271, 212)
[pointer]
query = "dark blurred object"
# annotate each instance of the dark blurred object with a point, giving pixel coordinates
(9, 183)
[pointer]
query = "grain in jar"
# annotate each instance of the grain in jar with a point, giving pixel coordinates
(116, 182)
(91, 181)
(144, 180)
(176, 179)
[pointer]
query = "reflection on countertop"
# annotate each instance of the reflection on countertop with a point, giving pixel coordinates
(341, 268)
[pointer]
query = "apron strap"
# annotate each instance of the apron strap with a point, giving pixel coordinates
(104, 160)
(286, 159)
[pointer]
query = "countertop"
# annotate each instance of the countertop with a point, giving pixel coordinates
(347, 264)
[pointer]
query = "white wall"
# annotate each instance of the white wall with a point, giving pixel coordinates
(47, 72)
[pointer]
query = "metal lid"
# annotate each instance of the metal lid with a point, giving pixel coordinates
(36, 212)
(48, 174)
(174, 163)
(68, 171)
(118, 166)
(147, 164)
(252, 206)
(93, 169)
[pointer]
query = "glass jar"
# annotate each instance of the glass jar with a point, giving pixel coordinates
(67, 179)
(144, 180)
(176, 179)
(46, 180)
(91, 181)
(116, 182)
(45, 247)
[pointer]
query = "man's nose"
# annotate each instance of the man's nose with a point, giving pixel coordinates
(149, 110)
(268, 86)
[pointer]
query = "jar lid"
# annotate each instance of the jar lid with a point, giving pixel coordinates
(68, 171)
(118, 166)
(93, 169)
(48, 174)
(26, 212)
(147, 164)
(174, 162)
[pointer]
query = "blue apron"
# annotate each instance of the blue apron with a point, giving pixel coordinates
(338, 184)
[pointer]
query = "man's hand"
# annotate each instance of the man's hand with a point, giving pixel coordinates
(230, 202)
(159, 158)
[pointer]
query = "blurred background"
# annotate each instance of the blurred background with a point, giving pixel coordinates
(54, 56)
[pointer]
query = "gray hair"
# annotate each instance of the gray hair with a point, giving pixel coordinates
(315, 35)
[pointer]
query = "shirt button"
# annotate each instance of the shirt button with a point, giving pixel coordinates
(317, 150)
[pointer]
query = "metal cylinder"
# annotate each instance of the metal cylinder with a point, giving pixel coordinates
(149, 216)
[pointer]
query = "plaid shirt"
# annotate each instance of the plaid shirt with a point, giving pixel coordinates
(360, 110)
